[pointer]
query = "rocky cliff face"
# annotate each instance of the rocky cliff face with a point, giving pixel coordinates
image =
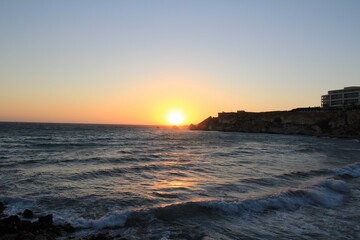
(332, 124)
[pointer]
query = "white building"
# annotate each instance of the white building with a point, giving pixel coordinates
(349, 96)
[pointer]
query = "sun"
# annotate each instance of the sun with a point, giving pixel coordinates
(175, 118)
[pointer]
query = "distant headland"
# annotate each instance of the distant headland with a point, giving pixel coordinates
(338, 116)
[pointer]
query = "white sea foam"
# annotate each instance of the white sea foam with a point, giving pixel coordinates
(325, 193)
(114, 219)
(335, 185)
(351, 170)
(16, 205)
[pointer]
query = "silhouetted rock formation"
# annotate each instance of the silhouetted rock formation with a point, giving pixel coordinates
(28, 213)
(13, 228)
(332, 124)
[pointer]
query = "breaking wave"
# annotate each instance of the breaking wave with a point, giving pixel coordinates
(326, 193)
(348, 171)
(115, 219)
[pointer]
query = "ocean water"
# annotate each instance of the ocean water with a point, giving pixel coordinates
(158, 183)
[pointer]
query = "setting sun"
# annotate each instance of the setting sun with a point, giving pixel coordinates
(175, 118)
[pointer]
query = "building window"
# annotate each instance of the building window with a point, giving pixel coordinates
(337, 102)
(351, 95)
(350, 102)
(336, 96)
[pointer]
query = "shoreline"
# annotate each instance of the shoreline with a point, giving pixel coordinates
(29, 226)
(337, 124)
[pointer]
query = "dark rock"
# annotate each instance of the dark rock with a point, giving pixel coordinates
(54, 230)
(2, 207)
(12, 220)
(21, 235)
(40, 237)
(36, 228)
(28, 214)
(68, 228)
(26, 226)
(46, 220)
(13, 227)
(9, 237)
(100, 236)
(10, 225)
(45, 227)
(6, 228)
(27, 236)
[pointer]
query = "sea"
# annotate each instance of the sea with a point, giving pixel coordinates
(148, 182)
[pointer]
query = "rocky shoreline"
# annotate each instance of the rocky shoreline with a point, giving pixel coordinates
(341, 124)
(29, 226)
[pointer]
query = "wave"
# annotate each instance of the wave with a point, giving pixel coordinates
(348, 171)
(115, 219)
(352, 170)
(75, 144)
(322, 192)
(115, 171)
(327, 193)
(93, 160)
(15, 205)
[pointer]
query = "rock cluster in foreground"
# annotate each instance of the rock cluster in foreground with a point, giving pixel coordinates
(28, 226)
(331, 124)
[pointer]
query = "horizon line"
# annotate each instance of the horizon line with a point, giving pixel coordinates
(83, 123)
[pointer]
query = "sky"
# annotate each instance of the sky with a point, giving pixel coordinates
(131, 62)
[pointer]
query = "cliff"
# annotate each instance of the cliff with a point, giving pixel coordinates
(331, 124)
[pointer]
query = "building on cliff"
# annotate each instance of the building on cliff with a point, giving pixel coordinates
(347, 97)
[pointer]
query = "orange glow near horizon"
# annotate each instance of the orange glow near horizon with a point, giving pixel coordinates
(148, 102)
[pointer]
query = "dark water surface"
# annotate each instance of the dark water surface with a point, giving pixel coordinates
(149, 183)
